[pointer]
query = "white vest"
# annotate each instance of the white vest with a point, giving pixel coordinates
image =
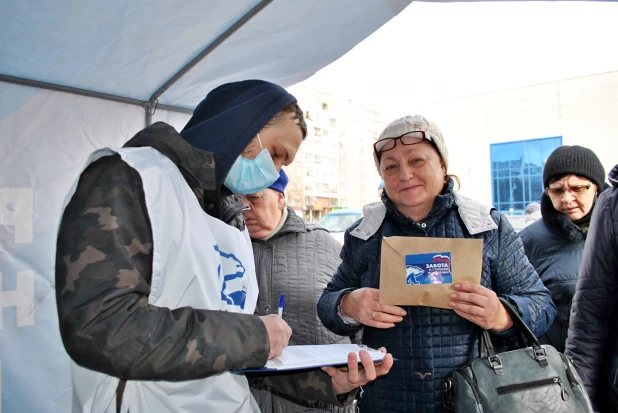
(198, 261)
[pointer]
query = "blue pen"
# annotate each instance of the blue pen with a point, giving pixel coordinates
(281, 299)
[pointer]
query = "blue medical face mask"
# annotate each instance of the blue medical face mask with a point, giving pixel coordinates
(248, 176)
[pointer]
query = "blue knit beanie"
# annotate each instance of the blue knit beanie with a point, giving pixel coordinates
(280, 184)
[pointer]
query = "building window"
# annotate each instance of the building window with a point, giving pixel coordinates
(308, 115)
(333, 123)
(517, 172)
(317, 131)
(325, 107)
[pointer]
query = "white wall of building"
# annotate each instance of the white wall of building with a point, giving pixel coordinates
(584, 111)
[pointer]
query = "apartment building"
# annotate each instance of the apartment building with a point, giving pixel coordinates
(334, 167)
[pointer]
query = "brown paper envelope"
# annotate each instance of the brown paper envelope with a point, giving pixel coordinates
(466, 266)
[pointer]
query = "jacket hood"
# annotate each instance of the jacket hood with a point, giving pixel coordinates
(613, 176)
(559, 223)
(197, 166)
(293, 223)
(231, 116)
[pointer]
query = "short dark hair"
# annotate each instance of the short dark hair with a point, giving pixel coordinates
(298, 114)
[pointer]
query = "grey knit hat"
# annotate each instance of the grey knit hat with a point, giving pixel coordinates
(407, 124)
(576, 160)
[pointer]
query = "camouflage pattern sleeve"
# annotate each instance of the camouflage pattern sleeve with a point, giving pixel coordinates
(103, 274)
(311, 385)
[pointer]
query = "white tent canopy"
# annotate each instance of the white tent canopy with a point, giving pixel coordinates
(76, 76)
(80, 75)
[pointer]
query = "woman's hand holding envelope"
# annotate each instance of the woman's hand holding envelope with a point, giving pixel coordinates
(363, 305)
(346, 379)
(480, 306)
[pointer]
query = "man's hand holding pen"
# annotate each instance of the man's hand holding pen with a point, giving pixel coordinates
(279, 333)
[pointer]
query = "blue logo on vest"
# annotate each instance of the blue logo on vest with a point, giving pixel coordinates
(432, 268)
(233, 289)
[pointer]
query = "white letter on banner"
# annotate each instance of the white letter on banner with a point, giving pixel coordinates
(16, 210)
(22, 298)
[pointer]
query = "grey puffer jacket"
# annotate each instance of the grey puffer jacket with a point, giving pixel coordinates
(297, 261)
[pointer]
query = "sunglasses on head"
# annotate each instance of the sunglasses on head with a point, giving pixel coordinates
(409, 138)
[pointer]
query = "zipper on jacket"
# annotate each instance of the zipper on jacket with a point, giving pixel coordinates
(570, 375)
(462, 372)
(449, 406)
(217, 211)
(511, 388)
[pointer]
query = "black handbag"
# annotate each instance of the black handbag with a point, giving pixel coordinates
(532, 378)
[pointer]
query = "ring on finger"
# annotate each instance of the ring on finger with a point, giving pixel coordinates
(373, 317)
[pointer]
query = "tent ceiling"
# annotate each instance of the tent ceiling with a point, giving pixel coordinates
(131, 48)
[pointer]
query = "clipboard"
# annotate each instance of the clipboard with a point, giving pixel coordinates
(302, 357)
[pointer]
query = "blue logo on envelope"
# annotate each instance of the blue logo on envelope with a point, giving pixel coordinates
(434, 268)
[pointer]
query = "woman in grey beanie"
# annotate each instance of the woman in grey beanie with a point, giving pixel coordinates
(419, 200)
(573, 177)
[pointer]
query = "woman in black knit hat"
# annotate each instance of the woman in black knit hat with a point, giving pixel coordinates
(573, 177)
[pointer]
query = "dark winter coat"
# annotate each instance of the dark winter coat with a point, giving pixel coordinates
(554, 246)
(593, 328)
(109, 326)
(431, 342)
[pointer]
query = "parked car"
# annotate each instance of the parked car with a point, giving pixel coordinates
(336, 222)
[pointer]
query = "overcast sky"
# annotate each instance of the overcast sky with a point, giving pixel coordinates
(433, 52)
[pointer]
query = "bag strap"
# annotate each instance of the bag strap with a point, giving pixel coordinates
(487, 350)
(520, 324)
(524, 334)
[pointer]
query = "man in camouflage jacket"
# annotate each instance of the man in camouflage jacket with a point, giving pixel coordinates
(104, 259)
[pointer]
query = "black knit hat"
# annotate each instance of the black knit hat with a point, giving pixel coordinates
(576, 160)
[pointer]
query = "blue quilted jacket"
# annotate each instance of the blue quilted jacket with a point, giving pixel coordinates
(431, 342)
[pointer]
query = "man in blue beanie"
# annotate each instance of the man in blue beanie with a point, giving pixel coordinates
(155, 280)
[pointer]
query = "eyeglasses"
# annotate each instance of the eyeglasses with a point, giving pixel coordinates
(573, 190)
(409, 138)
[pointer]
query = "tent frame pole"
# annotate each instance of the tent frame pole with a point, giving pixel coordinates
(152, 104)
(89, 93)
(209, 49)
